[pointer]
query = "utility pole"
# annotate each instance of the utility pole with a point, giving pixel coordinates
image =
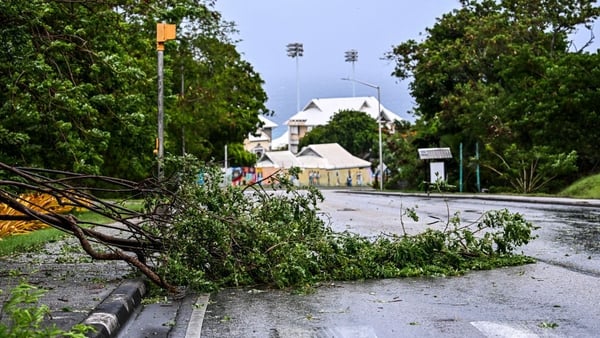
(164, 32)
(379, 120)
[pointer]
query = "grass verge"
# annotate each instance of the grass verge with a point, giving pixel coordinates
(587, 187)
(28, 242)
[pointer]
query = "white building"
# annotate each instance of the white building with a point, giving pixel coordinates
(326, 165)
(319, 111)
(260, 141)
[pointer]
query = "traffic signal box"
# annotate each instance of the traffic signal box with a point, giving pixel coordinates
(164, 32)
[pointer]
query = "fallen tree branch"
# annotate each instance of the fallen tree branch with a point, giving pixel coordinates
(124, 238)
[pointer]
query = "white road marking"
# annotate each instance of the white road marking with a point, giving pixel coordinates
(334, 331)
(194, 328)
(498, 330)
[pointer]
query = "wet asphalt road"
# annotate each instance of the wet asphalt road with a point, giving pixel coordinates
(532, 301)
(556, 297)
(569, 235)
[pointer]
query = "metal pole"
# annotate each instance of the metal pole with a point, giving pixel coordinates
(380, 141)
(161, 113)
(182, 96)
(164, 32)
(297, 84)
(379, 118)
(477, 168)
(353, 83)
(460, 168)
(226, 178)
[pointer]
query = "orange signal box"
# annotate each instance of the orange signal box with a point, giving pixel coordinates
(164, 32)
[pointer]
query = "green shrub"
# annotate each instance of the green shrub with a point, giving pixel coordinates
(24, 316)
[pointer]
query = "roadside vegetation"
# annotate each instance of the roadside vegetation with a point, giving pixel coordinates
(504, 83)
(207, 236)
(28, 242)
(587, 187)
(77, 77)
(23, 316)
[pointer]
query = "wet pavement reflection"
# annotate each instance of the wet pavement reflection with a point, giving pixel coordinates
(582, 228)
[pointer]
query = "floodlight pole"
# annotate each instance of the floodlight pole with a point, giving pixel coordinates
(296, 50)
(352, 56)
(379, 124)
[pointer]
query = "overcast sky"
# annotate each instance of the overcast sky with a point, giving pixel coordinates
(327, 29)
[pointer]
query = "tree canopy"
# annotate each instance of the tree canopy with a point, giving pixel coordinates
(79, 84)
(504, 73)
(355, 131)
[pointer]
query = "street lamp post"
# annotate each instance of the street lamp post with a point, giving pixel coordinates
(352, 56)
(295, 50)
(379, 124)
(164, 32)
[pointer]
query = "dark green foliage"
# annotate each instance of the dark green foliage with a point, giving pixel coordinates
(355, 131)
(529, 171)
(78, 85)
(401, 156)
(231, 236)
(504, 73)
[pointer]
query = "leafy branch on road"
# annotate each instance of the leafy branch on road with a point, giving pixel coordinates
(208, 236)
(232, 236)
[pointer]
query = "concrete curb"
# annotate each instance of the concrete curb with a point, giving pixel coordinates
(114, 311)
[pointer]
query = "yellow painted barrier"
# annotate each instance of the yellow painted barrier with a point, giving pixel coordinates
(35, 201)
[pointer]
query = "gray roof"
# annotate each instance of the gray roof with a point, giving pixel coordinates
(266, 122)
(434, 153)
(329, 156)
(277, 159)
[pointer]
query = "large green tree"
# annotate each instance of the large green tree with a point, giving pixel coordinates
(400, 157)
(504, 73)
(79, 84)
(355, 131)
(62, 78)
(219, 102)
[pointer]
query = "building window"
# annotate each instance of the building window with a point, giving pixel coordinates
(258, 150)
(294, 130)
